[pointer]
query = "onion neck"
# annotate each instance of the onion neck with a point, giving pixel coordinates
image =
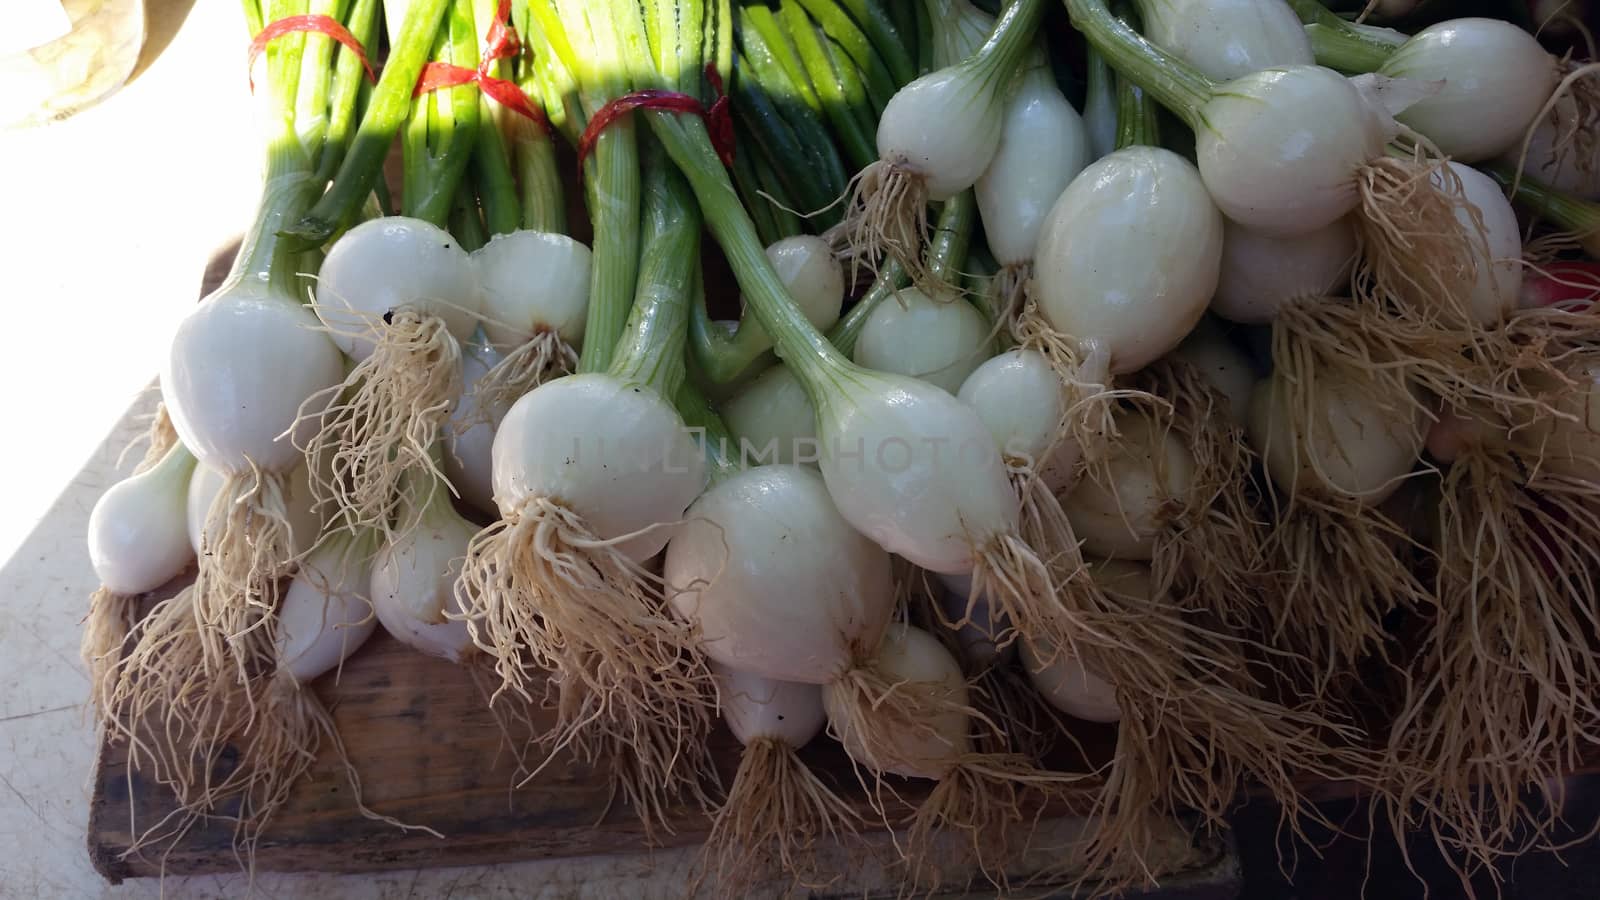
(952, 237)
(651, 350)
(722, 355)
(715, 438)
(442, 127)
(1137, 124)
(959, 30)
(1343, 45)
(1010, 42)
(1100, 104)
(1172, 82)
(844, 334)
(287, 190)
(1347, 50)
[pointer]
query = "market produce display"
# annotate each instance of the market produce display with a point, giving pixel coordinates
(816, 367)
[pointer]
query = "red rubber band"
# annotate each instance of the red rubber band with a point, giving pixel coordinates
(437, 76)
(500, 42)
(323, 25)
(1568, 282)
(719, 118)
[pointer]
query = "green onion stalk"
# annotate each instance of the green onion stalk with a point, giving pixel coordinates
(441, 130)
(589, 470)
(533, 148)
(948, 517)
(586, 68)
(795, 146)
(390, 104)
(1342, 44)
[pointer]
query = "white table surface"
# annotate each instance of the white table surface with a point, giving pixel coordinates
(110, 218)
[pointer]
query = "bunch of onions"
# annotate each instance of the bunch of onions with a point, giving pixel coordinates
(590, 470)
(138, 541)
(936, 137)
(241, 369)
(777, 809)
(1251, 140)
(907, 464)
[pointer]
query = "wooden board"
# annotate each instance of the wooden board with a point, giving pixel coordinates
(430, 753)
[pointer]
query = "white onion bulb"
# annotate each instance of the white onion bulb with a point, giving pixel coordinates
(773, 411)
(1222, 365)
(939, 341)
(1261, 271)
(468, 451)
(387, 264)
(1043, 146)
(916, 661)
(616, 454)
(755, 708)
(1063, 681)
(776, 580)
(304, 523)
(413, 583)
(1023, 402)
(976, 638)
(240, 367)
(943, 127)
(1284, 144)
(1129, 255)
(324, 616)
(532, 282)
(1357, 447)
(1225, 39)
(1497, 287)
(1493, 79)
(1568, 169)
(1145, 472)
(138, 534)
(915, 469)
